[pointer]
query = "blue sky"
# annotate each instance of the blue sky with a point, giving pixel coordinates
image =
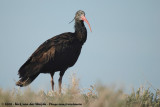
(123, 48)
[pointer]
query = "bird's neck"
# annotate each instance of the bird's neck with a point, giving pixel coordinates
(80, 31)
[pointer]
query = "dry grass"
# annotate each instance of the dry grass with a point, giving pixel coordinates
(73, 96)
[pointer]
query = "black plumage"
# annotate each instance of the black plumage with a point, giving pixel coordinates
(56, 54)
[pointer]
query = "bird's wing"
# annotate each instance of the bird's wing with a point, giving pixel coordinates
(44, 53)
(41, 56)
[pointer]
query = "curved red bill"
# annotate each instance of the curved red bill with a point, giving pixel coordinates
(84, 19)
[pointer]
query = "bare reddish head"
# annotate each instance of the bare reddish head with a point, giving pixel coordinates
(80, 15)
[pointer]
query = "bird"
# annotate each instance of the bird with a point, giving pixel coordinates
(56, 54)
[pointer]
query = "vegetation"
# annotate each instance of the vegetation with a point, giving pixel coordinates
(73, 96)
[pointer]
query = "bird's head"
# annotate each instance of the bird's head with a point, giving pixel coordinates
(80, 15)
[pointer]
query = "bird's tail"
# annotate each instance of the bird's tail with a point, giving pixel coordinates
(24, 81)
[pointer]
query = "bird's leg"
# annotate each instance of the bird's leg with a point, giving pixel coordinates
(60, 80)
(52, 82)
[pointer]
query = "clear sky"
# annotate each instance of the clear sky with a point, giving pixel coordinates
(123, 49)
